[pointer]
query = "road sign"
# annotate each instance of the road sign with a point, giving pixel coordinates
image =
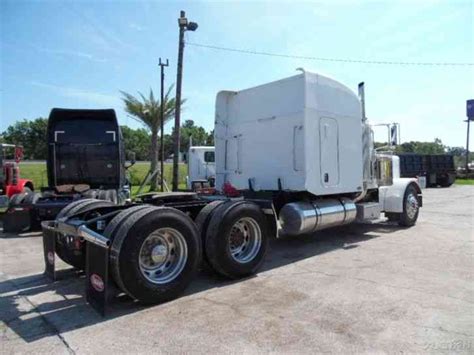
(470, 110)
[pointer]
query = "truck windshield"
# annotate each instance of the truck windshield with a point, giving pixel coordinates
(86, 151)
(85, 131)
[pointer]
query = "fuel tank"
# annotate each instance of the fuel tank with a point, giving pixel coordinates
(307, 217)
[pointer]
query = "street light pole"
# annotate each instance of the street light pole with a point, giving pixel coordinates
(162, 123)
(184, 25)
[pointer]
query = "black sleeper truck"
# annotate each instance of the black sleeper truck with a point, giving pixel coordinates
(86, 159)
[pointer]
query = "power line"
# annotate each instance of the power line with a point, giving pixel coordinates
(341, 60)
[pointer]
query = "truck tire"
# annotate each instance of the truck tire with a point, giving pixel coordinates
(102, 194)
(31, 198)
(411, 207)
(155, 253)
(237, 239)
(445, 182)
(65, 211)
(27, 189)
(112, 196)
(108, 195)
(17, 199)
(66, 247)
(120, 218)
(204, 216)
(92, 193)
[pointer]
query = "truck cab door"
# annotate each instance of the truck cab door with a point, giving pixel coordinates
(329, 151)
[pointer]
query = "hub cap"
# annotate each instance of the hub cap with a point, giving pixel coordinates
(163, 255)
(245, 240)
(411, 206)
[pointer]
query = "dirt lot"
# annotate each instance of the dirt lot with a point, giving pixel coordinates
(355, 289)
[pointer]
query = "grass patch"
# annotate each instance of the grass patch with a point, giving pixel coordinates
(37, 173)
(464, 182)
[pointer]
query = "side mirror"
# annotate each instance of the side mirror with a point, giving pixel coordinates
(132, 160)
(394, 135)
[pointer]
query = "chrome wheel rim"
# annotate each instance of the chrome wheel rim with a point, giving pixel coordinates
(245, 240)
(411, 206)
(163, 255)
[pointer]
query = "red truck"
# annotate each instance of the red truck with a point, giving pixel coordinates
(11, 184)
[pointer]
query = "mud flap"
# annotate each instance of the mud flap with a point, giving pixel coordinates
(97, 268)
(49, 249)
(97, 277)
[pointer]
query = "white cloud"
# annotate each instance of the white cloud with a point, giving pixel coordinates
(79, 94)
(136, 27)
(70, 53)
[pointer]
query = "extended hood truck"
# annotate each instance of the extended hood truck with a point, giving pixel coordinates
(300, 153)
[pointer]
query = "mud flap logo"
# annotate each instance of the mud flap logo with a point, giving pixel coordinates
(97, 282)
(51, 257)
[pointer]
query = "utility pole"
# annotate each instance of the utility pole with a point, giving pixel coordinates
(467, 146)
(184, 25)
(162, 123)
(470, 117)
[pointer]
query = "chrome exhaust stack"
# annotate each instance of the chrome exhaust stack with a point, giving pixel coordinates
(307, 217)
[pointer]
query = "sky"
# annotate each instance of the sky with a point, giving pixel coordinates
(80, 54)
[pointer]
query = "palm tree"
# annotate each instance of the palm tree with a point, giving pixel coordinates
(146, 110)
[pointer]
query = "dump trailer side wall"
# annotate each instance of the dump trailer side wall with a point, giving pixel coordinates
(438, 168)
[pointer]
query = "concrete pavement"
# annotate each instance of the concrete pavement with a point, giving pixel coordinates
(360, 288)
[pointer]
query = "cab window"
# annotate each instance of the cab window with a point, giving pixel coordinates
(209, 157)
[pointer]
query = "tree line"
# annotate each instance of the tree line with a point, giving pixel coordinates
(145, 143)
(32, 136)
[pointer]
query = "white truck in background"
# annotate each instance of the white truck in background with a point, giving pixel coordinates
(201, 167)
(300, 154)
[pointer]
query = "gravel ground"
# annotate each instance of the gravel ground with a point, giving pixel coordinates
(361, 288)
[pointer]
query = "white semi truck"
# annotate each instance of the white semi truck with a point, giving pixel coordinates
(300, 153)
(201, 167)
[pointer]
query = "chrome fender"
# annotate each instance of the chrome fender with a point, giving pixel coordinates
(391, 197)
